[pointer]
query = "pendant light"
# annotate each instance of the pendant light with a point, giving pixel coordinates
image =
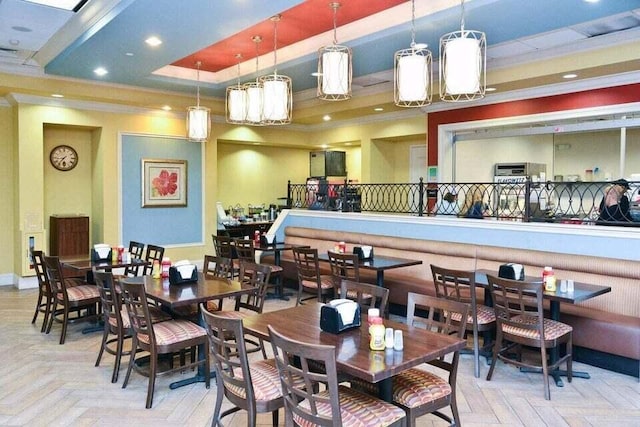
(236, 104)
(412, 72)
(254, 95)
(198, 121)
(334, 67)
(277, 96)
(463, 63)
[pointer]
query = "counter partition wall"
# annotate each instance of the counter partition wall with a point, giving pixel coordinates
(524, 201)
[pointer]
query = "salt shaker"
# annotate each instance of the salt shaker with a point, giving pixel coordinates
(389, 338)
(398, 343)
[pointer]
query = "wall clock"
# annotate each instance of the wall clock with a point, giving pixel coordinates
(63, 158)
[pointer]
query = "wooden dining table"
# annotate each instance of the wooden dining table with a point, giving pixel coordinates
(184, 294)
(84, 263)
(379, 264)
(353, 355)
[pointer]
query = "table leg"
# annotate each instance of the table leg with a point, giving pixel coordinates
(385, 389)
(279, 293)
(200, 374)
(380, 278)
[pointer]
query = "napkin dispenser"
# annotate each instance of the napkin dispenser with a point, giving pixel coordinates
(267, 240)
(363, 252)
(178, 275)
(101, 253)
(339, 316)
(511, 271)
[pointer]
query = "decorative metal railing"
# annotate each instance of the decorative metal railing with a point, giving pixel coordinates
(524, 200)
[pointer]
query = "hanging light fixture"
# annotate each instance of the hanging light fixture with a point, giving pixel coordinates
(236, 104)
(198, 121)
(276, 89)
(334, 67)
(412, 71)
(254, 92)
(463, 62)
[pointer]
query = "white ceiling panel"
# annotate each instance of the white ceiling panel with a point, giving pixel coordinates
(508, 49)
(551, 39)
(30, 24)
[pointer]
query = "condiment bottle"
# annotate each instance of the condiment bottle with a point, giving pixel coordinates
(166, 263)
(256, 238)
(156, 273)
(377, 332)
(549, 279)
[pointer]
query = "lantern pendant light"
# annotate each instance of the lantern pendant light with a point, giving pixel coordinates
(254, 94)
(334, 67)
(277, 94)
(198, 120)
(463, 63)
(412, 72)
(236, 104)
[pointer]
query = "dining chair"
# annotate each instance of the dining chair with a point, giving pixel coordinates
(225, 248)
(245, 248)
(219, 268)
(309, 278)
(69, 295)
(460, 285)
(253, 387)
(335, 405)
(116, 320)
(520, 322)
(343, 267)
(44, 303)
(154, 253)
(366, 295)
(136, 251)
(168, 337)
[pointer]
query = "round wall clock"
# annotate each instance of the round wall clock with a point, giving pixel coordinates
(63, 158)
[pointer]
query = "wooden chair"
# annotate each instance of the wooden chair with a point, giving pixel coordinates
(171, 336)
(44, 303)
(224, 247)
(220, 268)
(116, 320)
(520, 322)
(343, 267)
(336, 405)
(366, 295)
(458, 285)
(136, 251)
(154, 253)
(69, 295)
(309, 277)
(246, 251)
(254, 388)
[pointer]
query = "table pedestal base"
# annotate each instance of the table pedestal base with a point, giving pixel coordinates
(557, 373)
(198, 378)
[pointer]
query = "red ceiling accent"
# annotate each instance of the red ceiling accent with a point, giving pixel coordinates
(308, 19)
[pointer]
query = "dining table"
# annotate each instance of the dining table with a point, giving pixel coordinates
(353, 355)
(379, 264)
(581, 292)
(171, 296)
(84, 263)
(277, 248)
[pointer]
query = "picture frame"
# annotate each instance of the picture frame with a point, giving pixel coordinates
(164, 183)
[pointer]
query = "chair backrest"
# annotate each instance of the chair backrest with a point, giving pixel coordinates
(455, 285)
(439, 317)
(343, 267)
(154, 253)
(367, 295)
(256, 275)
(109, 297)
(37, 258)
(228, 347)
(245, 249)
(218, 267)
(55, 277)
(136, 251)
(223, 246)
(297, 364)
(135, 300)
(307, 264)
(517, 298)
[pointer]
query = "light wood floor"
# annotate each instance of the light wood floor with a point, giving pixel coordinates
(44, 383)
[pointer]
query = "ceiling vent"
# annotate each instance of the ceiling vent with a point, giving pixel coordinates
(612, 24)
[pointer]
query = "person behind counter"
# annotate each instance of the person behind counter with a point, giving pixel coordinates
(449, 204)
(614, 206)
(473, 202)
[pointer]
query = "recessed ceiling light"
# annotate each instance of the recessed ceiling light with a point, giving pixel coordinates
(153, 41)
(129, 54)
(591, 1)
(101, 71)
(166, 108)
(490, 89)
(315, 74)
(570, 76)
(326, 117)
(324, 146)
(14, 42)
(378, 109)
(347, 143)
(256, 143)
(57, 95)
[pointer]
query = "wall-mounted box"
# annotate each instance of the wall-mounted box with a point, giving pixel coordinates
(327, 163)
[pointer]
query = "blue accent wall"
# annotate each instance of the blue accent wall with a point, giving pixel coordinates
(158, 225)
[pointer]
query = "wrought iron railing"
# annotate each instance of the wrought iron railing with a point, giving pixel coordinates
(524, 200)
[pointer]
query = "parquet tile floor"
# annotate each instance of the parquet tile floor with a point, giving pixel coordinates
(43, 383)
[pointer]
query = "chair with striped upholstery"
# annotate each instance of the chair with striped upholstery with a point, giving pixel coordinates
(245, 248)
(154, 253)
(309, 277)
(366, 295)
(169, 337)
(254, 388)
(520, 322)
(70, 295)
(336, 405)
(219, 268)
(44, 304)
(459, 285)
(136, 251)
(224, 247)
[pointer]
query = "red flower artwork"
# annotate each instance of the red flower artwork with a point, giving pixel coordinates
(165, 183)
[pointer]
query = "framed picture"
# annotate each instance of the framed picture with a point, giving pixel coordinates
(164, 183)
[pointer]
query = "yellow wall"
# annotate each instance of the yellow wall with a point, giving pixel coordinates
(7, 188)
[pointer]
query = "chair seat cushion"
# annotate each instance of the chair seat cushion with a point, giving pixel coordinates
(232, 314)
(326, 282)
(357, 409)
(485, 314)
(353, 294)
(552, 329)
(265, 378)
(174, 331)
(82, 292)
(415, 387)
